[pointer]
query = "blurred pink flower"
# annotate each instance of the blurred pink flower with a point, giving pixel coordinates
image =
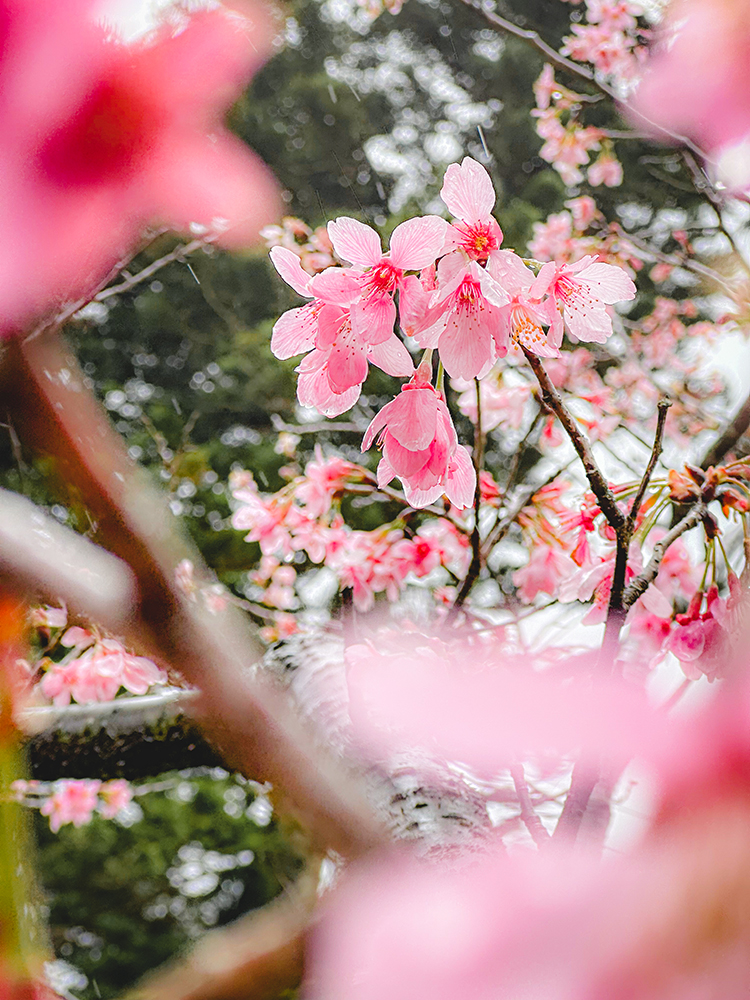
(73, 801)
(101, 139)
(115, 796)
(711, 106)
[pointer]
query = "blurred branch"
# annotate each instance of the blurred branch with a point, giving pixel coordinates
(533, 824)
(729, 438)
(249, 722)
(259, 955)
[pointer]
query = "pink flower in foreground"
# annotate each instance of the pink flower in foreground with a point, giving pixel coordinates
(420, 445)
(712, 106)
(73, 801)
(470, 197)
(583, 290)
(102, 138)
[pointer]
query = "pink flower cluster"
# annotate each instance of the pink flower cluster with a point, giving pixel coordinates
(567, 143)
(303, 518)
(75, 800)
(458, 293)
(95, 670)
(609, 41)
(314, 248)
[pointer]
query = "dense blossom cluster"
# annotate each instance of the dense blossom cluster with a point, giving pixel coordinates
(460, 294)
(91, 667)
(304, 518)
(75, 800)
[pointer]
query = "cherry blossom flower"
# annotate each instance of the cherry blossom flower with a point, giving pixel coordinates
(546, 569)
(470, 197)
(606, 169)
(582, 291)
(73, 801)
(420, 445)
(415, 244)
(103, 138)
(464, 320)
(98, 674)
(711, 107)
(115, 796)
(332, 373)
(522, 317)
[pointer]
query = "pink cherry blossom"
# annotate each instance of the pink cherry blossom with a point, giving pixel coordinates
(712, 106)
(115, 796)
(103, 138)
(332, 373)
(546, 569)
(415, 244)
(606, 169)
(464, 320)
(98, 674)
(420, 445)
(522, 317)
(583, 290)
(73, 801)
(470, 197)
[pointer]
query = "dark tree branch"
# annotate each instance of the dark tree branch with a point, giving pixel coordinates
(663, 407)
(598, 483)
(640, 584)
(475, 565)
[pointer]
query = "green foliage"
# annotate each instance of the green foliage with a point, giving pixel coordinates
(124, 898)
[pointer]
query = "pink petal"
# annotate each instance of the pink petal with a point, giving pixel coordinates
(294, 333)
(417, 243)
(468, 192)
(607, 282)
(315, 390)
(373, 319)
(413, 303)
(543, 280)
(465, 345)
(592, 325)
(336, 285)
(413, 418)
(355, 242)
(347, 363)
(461, 479)
(288, 265)
(405, 462)
(507, 268)
(418, 498)
(392, 357)
(385, 473)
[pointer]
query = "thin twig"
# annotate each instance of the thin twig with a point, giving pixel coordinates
(662, 408)
(184, 250)
(639, 585)
(599, 485)
(533, 824)
(475, 565)
(534, 39)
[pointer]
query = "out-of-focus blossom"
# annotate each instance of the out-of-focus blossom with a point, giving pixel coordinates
(606, 169)
(712, 106)
(102, 139)
(98, 674)
(115, 796)
(73, 801)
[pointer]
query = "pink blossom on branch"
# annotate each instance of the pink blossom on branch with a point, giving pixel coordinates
(102, 139)
(420, 445)
(470, 197)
